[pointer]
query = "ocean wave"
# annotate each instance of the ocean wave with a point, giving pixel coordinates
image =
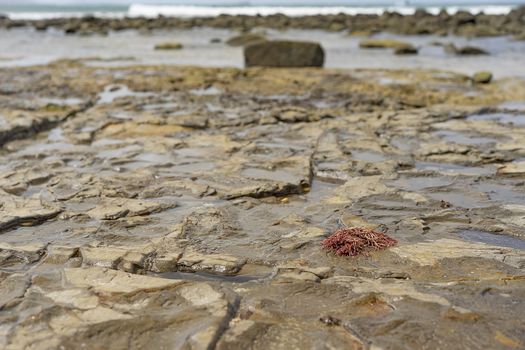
(138, 10)
(188, 11)
(36, 16)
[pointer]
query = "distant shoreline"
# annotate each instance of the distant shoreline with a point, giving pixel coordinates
(436, 21)
(44, 12)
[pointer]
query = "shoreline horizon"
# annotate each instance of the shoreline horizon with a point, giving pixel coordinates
(197, 11)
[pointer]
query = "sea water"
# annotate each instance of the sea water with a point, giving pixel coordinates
(41, 9)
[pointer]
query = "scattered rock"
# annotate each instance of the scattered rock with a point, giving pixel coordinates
(386, 44)
(362, 33)
(408, 50)
(330, 321)
(460, 314)
(482, 77)
(246, 39)
(465, 50)
(264, 164)
(460, 23)
(520, 37)
(169, 46)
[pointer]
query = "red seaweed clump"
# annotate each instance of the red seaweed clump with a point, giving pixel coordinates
(357, 241)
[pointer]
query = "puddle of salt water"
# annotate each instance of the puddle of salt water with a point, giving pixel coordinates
(460, 200)
(112, 92)
(502, 118)
(502, 194)
(368, 156)
(492, 239)
(61, 101)
(463, 139)
(203, 276)
(276, 175)
(516, 105)
(454, 169)
(420, 183)
(210, 91)
(56, 135)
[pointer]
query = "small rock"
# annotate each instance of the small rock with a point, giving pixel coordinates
(330, 321)
(102, 256)
(27, 253)
(407, 50)
(515, 168)
(361, 33)
(482, 77)
(284, 54)
(16, 211)
(384, 44)
(218, 264)
(299, 267)
(465, 50)
(302, 276)
(245, 39)
(169, 46)
(520, 37)
(167, 262)
(60, 254)
(460, 314)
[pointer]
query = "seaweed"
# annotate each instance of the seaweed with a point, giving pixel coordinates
(355, 241)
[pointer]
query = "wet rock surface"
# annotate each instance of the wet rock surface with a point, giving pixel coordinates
(185, 208)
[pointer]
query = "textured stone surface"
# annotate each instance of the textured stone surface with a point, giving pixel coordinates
(185, 209)
(284, 54)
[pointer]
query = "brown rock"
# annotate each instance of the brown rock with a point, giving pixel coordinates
(284, 54)
(245, 39)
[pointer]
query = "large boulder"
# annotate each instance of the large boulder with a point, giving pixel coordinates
(284, 54)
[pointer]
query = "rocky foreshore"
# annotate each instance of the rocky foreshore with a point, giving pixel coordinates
(461, 23)
(184, 208)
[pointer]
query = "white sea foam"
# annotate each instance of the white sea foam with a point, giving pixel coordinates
(34, 16)
(293, 11)
(188, 11)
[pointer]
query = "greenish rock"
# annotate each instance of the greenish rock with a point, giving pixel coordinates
(245, 39)
(408, 50)
(520, 37)
(384, 44)
(169, 46)
(465, 50)
(482, 77)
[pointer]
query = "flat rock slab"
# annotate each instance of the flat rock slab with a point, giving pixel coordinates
(16, 211)
(97, 306)
(186, 208)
